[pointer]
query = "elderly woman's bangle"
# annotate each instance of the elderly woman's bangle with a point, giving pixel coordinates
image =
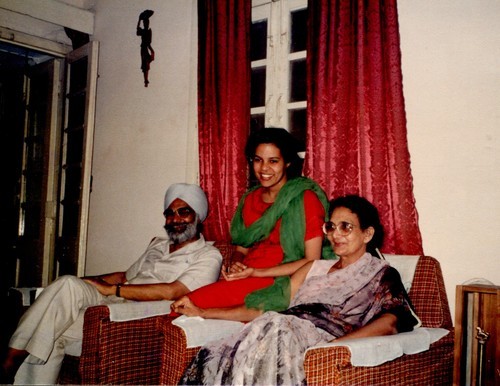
(117, 293)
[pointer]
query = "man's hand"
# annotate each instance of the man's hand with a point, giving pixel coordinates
(186, 307)
(237, 271)
(103, 287)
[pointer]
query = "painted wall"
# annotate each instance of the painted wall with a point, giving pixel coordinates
(145, 138)
(451, 68)
(451, 77)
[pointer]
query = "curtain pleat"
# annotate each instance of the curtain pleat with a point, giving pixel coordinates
(223, 107)
(356, 120)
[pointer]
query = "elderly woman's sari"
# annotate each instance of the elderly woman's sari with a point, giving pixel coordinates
(269, 350)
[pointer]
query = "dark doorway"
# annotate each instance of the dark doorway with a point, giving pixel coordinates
(26, 79)
(26, 82)
(47, 106)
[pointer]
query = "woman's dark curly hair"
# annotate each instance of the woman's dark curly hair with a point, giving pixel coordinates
(283, 140)
(367, 215)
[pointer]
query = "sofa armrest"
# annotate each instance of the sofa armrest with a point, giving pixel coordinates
(332, 366)
(376, 350)
(175, 355)
(130, 352)
(89, 359)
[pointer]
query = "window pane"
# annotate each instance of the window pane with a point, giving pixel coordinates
(76, 106)
(299, 30)
(257, 122)
(297, 120)
(258, 87)
(298, 80)
(78, 75)
(258, 40)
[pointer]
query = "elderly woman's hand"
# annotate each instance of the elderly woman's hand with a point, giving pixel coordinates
(186, 307)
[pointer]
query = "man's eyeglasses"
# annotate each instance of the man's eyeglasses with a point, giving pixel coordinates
(343, 228)
(183, 212)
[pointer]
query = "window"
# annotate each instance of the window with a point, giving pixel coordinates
(278, 57)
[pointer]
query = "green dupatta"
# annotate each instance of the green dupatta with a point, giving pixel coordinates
(289, 206)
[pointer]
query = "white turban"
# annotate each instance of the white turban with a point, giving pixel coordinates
(191, 194)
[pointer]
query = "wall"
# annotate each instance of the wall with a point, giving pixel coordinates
(145, 138)
(451, 76)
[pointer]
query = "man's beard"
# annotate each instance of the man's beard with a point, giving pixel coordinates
(187, 234)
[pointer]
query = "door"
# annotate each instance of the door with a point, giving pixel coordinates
(46, 132)
(76, 160)
(30, 121)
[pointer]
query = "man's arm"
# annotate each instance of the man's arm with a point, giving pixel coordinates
(161, 291)
(203, 271)
(138, 292)
(110, 278)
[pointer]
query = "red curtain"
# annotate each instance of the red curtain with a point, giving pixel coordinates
(356, 122)
(223, 107)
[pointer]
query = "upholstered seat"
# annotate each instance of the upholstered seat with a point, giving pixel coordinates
(154, 351)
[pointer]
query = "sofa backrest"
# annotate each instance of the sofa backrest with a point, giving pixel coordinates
(226, 249)
(427, 292)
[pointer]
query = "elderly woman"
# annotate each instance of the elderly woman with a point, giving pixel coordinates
(358, 295)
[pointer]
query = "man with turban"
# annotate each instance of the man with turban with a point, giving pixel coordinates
(169, 268)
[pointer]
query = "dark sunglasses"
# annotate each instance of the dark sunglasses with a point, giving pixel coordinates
(183, 212)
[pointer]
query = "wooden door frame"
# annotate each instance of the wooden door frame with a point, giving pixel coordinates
(63, 51)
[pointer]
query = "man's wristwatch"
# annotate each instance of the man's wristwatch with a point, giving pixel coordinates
(117, 293)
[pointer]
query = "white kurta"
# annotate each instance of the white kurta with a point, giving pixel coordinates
(56, 317)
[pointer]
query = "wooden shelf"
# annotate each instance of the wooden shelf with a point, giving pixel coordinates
(476, 364)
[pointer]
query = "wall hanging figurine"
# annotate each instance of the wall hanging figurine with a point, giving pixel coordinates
(147, 52)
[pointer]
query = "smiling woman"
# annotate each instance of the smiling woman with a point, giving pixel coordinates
(270, 169)
(277, 229)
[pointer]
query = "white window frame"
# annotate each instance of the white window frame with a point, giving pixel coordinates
(277, 62)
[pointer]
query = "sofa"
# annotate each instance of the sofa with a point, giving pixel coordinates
(154, 351)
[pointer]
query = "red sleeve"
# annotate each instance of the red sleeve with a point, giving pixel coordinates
(315, 215)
